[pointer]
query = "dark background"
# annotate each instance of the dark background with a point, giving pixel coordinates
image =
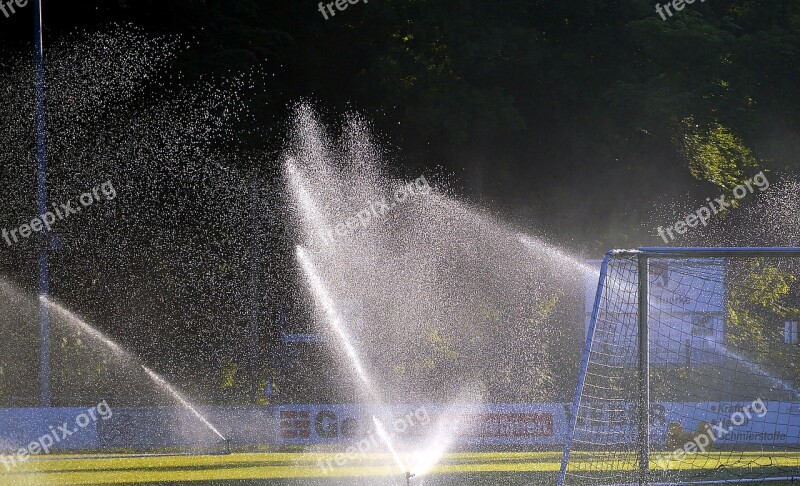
(577, 120)
(563, 111)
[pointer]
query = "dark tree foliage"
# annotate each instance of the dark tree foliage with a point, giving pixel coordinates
(523, 95)
(569, 116)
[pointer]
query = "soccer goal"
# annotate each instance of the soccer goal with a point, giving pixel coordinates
(691, 370)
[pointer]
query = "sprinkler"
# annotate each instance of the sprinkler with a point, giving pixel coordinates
(227, 446)
(408, 478)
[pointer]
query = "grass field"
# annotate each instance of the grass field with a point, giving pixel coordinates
(489, 468)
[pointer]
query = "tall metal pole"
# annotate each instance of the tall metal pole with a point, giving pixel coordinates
(44, 280)
(644, 371)
(255, 298)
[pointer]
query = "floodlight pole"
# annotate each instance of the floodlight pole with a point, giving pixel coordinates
(44, 279)
(255, 298)
(643, 424)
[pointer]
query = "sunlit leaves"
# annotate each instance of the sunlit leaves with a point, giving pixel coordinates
(715, 154)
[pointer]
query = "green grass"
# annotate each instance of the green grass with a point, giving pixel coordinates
(487, 468)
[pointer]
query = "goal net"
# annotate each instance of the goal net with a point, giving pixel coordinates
(691, 370)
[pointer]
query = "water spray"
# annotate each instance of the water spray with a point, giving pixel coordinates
(326, 301)
(182, 401)
(125, 355)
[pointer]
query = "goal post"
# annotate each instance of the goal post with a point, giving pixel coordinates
(691, 370)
